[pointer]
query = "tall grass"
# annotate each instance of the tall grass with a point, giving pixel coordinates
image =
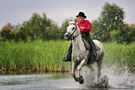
(47, 56)
(120, 54)
(35, 56)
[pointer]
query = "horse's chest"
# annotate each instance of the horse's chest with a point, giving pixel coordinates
(78, 55)
(78, 50)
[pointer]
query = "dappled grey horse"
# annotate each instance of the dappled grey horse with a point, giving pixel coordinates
(80, 53)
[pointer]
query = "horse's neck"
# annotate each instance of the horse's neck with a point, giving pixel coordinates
(78, 43)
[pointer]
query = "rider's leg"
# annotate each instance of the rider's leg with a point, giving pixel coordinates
(93, 48)
(68, 56)
(87, 37)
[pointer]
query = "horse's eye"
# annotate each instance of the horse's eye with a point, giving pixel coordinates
(73, 28)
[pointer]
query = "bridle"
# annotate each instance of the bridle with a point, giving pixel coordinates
(73, 37)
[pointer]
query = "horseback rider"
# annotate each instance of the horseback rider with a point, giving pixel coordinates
(85, 27)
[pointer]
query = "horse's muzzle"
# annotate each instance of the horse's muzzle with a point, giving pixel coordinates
(67, 36)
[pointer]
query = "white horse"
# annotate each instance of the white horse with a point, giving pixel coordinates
(80, 53)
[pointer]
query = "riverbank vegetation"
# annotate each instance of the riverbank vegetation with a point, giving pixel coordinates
(33, 57)
(37, 45)
(120, 55)
(46, 56)
(110, 26)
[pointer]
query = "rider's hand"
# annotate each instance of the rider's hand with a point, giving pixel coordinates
(82, 28)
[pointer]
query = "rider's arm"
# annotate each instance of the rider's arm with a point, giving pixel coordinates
(87, 27)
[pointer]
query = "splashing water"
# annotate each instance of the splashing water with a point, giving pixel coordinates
(117, 78)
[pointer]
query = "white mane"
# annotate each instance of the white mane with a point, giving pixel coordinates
(71, 22)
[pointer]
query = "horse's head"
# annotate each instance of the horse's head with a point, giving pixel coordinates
(72, 31)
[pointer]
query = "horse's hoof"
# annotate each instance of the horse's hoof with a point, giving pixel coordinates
(81, 81)
(76, 79)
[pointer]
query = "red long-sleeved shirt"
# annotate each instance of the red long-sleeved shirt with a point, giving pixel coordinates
(86, 24)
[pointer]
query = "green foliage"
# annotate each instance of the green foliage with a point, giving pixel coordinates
(64, 26)
(98, 32)
(120, 55)
(47, 56)
(6, 33)
(37, 27)
(112, 17)
(110, 25)
(131, 32)
(41, 27)
(35, 56)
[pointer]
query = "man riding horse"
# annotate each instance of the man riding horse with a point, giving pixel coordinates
(85, 27)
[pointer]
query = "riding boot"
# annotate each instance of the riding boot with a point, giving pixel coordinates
(68, 56)
(93, 49)
(87, 37)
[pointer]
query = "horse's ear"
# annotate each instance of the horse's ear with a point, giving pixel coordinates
(71, 22)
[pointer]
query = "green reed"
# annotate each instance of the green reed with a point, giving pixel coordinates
(46, 56)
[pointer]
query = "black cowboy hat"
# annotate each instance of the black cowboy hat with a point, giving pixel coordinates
(81, 14)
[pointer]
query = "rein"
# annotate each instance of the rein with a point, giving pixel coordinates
(73, 33)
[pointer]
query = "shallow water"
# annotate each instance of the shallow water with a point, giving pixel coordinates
(37, 82)
(61, 81)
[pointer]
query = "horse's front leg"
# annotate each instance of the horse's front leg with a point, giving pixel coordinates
(82, 63)
(80, 78)
(80, 66)
(74, 66)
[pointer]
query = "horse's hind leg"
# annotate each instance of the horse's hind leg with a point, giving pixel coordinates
(99, 66)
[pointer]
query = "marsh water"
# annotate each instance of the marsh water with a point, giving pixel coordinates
(61, 81)
(49, 81)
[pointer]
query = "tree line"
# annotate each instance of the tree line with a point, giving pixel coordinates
(37, 27)
(110, 26)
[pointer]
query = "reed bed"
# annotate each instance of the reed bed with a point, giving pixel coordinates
(46, 56)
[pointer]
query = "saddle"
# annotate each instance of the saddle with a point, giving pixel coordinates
(90, 55)
(87, 46)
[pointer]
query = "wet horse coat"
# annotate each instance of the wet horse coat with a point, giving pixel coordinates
(80, 53)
